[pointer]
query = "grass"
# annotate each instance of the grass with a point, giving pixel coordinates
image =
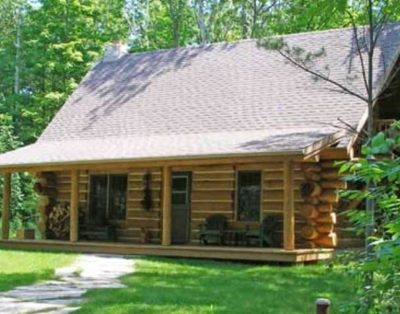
(191, 286)
(23, 267)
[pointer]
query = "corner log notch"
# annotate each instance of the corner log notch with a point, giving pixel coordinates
(5, 231)
(320, 199)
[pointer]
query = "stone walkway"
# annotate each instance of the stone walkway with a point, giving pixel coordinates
(64, 294)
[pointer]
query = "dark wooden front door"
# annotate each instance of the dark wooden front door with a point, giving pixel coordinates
(180, 201)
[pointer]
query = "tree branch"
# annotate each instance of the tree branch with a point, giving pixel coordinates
(359, 51)
(321, 76)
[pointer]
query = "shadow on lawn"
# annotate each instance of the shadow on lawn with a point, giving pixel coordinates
(190, 286)
(9, 281)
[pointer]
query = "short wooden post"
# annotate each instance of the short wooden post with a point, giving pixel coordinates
(5, 234)
(322, 306)
(288, 209)
(166, 213)
(74, 207)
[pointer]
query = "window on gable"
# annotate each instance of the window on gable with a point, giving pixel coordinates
(108, 197)
(248, 195)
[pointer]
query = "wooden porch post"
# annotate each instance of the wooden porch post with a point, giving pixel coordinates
(73, 227)
(166, 203)
(6, 206)
(288, 208)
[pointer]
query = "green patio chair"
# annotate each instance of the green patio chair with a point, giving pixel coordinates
(213, 230)
(265, 235)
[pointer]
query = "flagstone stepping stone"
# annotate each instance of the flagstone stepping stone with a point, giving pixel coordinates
(64, 294)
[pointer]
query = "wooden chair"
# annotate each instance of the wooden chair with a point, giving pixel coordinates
(265, 235)
(96, 229)
(213, 230)
(98, 233)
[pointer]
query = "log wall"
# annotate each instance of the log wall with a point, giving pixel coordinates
(213, 192)
(140, 225)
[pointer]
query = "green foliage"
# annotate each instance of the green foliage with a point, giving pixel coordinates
(23, 201)
(382, 173)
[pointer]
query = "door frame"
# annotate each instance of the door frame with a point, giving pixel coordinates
(188, 175)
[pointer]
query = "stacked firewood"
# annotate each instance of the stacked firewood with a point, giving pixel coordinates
(45, 187)
(58, 221)
(320, 195)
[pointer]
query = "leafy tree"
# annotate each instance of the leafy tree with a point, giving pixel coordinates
(382, 175)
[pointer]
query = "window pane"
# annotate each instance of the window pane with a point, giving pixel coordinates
(179, 183)
(249, 194)
(117, 196)
(179, 198)
(98, 199)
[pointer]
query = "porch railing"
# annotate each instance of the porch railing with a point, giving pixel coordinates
(383, 124)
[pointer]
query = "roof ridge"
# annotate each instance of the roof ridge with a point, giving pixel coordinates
(246, 40)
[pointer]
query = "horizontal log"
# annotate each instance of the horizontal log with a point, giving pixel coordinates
(334, 153)
(307, 167)
(324, 228)
(326, 241)
(213, 185)
(136, 233)
(330, 174)
(205, 215)
(208, 168)
(325, 208)
(328, 165)
(143, 223)
(273, 195)
(309, 232)
(272, 206)
(309, 211)
(277, 175)
(329, 196)
(278, 183)
(212, 195)
(312, 176)
(227, 206)
(213, 176)
(137, 203)
(135, 194)
(298, 175)
(311, 200)
(333, 184)
(326, 218)
(143, 214)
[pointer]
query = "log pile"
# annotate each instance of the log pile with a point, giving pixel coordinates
(45, 187)
(319, 191)
(58, 222)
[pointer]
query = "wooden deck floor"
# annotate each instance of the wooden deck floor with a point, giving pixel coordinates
(191, 251)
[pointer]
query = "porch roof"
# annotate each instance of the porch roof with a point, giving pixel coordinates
(289, 141)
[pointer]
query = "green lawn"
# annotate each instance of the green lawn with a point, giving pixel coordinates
(192, 286)
(23, 268)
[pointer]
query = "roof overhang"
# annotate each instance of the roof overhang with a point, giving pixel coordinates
(170, 161)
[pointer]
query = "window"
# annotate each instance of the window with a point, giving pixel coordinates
(117, 196)
(108, 197)
(248, 195)
(180, 191)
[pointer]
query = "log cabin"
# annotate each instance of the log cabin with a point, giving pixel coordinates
(153, 146)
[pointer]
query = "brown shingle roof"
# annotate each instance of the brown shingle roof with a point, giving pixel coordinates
(216, 99)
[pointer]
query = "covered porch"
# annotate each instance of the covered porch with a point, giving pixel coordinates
(212, 190)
